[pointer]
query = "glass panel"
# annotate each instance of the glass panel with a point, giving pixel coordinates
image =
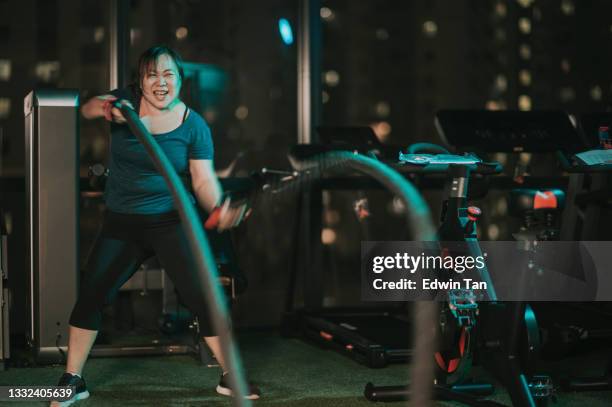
(240, 74)
(50, 43)
(392, 64)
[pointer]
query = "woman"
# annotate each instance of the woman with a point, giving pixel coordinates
(141, 220)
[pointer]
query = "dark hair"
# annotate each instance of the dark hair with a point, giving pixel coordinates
(150, 56)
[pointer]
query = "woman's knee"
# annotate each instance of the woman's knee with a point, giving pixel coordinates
(86, 315)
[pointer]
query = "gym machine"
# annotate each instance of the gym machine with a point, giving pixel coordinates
(52, 186)
(372, 336)
(459, 316)
(508, 350)
(589, 198)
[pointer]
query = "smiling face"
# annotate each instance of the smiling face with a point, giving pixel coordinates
(161, 83)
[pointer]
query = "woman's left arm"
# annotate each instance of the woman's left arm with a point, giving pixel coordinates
(208, 192)
(205, 184)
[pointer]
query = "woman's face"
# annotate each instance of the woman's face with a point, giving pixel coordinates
(161, 83)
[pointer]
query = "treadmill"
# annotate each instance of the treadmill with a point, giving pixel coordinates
(371, 334)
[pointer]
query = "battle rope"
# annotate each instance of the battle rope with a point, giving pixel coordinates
(419, 224)
(206, 277)
(421, 229)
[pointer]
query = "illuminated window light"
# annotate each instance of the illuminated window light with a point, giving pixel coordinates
(566, 66)
(430, 28)
(525, 158)
(525, 51)
(5, 107)
(496, 105)
(500, 9)
(324, 97)
(98, 34)
(181, 33)
(396, 206)
(8, 222)
(524, 103)
(567, 7)
(501, 158)
(135, 35)
(285, 30)
(242, 112)
(502, 206)
(501, 83)
(537, 14)
(47, 71)
(211, 115)
(382, 34)
(493, 232)
(5, 69)
(382, 130)
(525, 3)
(524, 25)
(327, 14)
(492, 105)
(99, 146)
(525, 77)
(596, 93)
(328, 236)
(567, 94)
(382, 109)
(500, 34)
(331, 78)
(326, 197)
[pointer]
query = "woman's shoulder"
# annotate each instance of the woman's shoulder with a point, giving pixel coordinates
(196, 119)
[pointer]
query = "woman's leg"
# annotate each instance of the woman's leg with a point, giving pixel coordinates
(79, 345)
(111, 263)
(172, 250)
(214, 343)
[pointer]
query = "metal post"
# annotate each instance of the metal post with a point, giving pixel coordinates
(309, 69)
(4, 296)
(308, 116)
(119, 43)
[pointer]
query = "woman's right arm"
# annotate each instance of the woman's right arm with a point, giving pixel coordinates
(97, 107)
(101, 106)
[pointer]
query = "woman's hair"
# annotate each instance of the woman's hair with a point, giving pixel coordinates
(150, 56)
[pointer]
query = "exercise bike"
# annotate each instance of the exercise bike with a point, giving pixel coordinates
(505, 324)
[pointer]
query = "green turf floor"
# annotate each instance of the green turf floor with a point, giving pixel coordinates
(289, 372)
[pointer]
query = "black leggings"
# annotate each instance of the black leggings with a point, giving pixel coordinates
(125, 241)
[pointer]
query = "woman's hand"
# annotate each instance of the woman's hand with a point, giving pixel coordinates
(228, 215)
(113, 114)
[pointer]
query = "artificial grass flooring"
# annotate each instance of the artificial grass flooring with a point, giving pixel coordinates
(288, 371)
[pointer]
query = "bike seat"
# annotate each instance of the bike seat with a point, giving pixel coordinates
(536, 200)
